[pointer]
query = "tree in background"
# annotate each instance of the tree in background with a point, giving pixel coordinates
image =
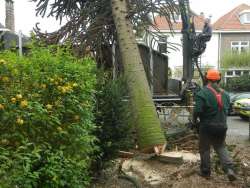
(96, 25)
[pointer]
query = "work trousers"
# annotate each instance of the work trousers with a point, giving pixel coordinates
(206, 140)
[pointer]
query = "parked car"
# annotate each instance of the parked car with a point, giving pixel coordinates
(235, 97)
(242, 107)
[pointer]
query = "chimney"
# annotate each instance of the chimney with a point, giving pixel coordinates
(9, 15)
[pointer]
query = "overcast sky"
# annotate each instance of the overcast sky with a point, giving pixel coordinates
(25, 17)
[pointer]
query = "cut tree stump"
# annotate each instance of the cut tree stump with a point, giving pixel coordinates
(170, 157)
(178, 157)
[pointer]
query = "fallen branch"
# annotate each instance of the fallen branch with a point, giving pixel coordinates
(125, 154)
(189, 137)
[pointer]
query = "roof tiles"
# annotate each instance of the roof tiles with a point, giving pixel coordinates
(231, 20)
(162, 24)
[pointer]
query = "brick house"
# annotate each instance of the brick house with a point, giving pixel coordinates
(231, 33)
(233, 30)
(174, 40)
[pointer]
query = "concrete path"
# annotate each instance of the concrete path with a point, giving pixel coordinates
(238, 130)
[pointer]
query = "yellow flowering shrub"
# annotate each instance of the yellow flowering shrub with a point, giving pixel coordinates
(43, 111)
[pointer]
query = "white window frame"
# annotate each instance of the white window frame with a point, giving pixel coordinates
(247, 20)
(239, 45)
(243, 18)
(231, 71)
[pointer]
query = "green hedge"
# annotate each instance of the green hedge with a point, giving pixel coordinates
(239, 84)
(230, 60)
(46, 119)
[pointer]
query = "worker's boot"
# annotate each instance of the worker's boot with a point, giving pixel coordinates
(231, 175)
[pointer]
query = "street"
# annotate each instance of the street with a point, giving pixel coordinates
(238, 130)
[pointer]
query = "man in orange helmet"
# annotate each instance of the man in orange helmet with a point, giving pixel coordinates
(211, 106)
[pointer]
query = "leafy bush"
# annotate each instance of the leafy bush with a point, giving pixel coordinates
(30, 166)
(46, 120)
(113, 117)
(235, 60)
(239, 83)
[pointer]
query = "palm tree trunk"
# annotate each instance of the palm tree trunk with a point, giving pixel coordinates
(147, 122)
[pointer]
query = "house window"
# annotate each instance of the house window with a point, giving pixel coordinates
(229, 73)
(237, 72)
(239, 46)
(245, 17)
(245, 72)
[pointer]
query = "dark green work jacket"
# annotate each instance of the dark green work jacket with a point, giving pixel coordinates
(206, 106)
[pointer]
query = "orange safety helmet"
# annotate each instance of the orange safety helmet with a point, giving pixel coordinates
(213, 75)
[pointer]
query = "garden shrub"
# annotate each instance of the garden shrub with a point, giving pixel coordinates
(113, 117)
(239, 83)
(46, 119)
(238, 60)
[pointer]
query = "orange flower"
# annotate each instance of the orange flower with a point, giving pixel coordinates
(19, 96)
(3, 62)
(74, 84)
(19, 121)
(49, 106)
(13, 100)
(24, 104)
(1, 107)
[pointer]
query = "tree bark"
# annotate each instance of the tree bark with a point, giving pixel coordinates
(149, 132)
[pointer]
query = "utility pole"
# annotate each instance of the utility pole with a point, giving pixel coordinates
(20, 43)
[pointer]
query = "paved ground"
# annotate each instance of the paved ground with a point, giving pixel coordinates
(238, 130)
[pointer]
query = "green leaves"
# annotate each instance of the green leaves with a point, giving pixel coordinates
(239, 84)
(46, 119)
(236, 60)
(113, 117)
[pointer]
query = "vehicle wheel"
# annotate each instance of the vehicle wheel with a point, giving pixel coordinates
(244, 117)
